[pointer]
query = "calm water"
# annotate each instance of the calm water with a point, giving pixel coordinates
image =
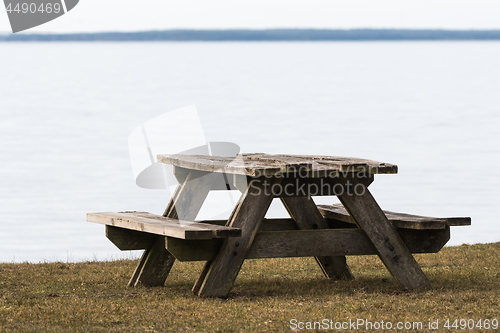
(432, 108)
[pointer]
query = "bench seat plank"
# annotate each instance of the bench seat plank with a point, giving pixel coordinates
(398, 220)
(159, 225)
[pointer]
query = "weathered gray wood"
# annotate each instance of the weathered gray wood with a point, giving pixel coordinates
(425, 241)
(240, 182)
(218, 164)
(390, 247)
(278, 224)
(170, 210)
(247, 215)
(156, 263)
(273, 165)
(282, 224)
(154, 266)
(189, 196)
(181, 174)
(193, 250)
(337, 242)
(300, 185)
(398, 220)
(203, 274)
(293, 185)
(344, 165)
(164, 226)
(127, 240)
(309, 243)
(222, 181)
(305, 213)
(153, 224)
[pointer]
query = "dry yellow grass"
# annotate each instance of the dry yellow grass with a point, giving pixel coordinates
(93, 297)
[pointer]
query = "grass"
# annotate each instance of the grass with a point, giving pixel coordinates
(93, 297)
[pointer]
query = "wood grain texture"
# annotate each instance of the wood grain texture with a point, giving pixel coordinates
(272, 165)
(164, 226)
(307, 216)
(220, 274)
(127, 240)
(189, 196)
(154, 266)
(390, 247)
(337, 242)
(294, 185)
(309, 243)
(398, 220)
(282, 224)
(193, 250)
(156, 262)
(222, 181)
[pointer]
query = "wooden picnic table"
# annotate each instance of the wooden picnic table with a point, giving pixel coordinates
(327, 232)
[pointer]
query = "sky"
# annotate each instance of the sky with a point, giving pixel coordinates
(128, 15)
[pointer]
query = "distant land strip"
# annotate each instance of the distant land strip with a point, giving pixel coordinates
(241, 35)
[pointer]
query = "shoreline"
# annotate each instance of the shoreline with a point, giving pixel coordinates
(264, 35)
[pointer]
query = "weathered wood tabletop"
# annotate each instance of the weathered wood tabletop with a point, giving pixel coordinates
(358, 226)
(268, 165)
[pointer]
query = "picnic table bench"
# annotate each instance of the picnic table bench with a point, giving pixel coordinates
(357, 226)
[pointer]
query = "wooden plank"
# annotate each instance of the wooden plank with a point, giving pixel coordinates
(189, 196)
(220, 274)
(425, 241)
(193, 250)
(156, 262)
(278, 225)
(342, 164)
(181, 174)
(301, 185)
(222, 181)
(258, 165)
(240, 182)
(390, 247)
(297, 186)
(160, 225)
(309, 243)
(127, 240)
(337, 242)
(458, 221)
(398, 220)
(305, 213)
(219, 164)
(168, 227)
(154, 266)
(282, 224)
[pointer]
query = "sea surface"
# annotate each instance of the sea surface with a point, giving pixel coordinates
(67, 109)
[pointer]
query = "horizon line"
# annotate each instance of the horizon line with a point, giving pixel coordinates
(274, 34)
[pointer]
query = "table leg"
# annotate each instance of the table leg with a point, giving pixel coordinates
(307, 216)
(189, 196)
(391, 249)
(154, 266)
(186, 202)
(218, 276)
